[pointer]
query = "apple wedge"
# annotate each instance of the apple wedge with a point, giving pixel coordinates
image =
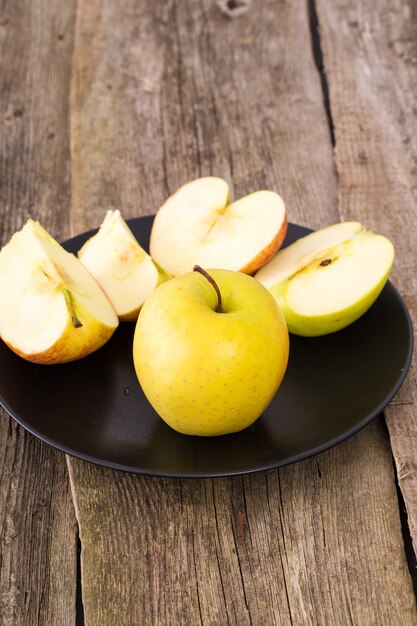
(51, 310)
(328, 279)
(198, 226)
(122, 268)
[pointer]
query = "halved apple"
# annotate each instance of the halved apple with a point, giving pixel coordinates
(51, 309)
(123, 269)
(328, 279)
(197, 225)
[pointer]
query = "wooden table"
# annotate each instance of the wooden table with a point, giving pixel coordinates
(110, 104)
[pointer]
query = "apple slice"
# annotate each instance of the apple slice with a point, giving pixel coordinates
(52, 310)
(198, 226)
(123, 269)
(328, 279)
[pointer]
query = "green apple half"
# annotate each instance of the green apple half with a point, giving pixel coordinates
(198, 225)
(51, 309)
(210, 370)
(328, 279)
(126, 273)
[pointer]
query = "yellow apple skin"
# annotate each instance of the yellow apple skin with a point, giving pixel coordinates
(328, 279)
(317, 325)
(206, 372)
(54, 311)
(74, 343)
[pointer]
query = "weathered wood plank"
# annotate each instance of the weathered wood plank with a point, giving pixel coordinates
(38, 532)
(37, 523)
(295, 546)
(163, 93)
(180, 99)
(370, 50)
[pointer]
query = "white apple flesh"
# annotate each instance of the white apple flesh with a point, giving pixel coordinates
(126, 273)
(51, 310)
(197, 225)
(209, 372)
(328, 279)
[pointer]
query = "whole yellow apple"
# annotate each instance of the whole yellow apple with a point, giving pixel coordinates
(210, 351)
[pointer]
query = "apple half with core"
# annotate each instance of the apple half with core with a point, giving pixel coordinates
(328, 279)
(52, 310)
(198, 225)
(210, 351)
(123, 269)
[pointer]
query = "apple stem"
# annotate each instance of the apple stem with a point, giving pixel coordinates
(71, 308)
(212, 282)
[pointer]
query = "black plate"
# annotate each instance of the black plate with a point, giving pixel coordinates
(94, 409)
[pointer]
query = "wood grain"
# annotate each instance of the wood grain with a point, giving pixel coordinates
(191, 93)
(38, 532)
(37, 523)
(370, 50)
(291, 546)
(163, 93)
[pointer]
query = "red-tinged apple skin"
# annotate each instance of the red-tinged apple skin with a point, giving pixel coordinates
(73, 344)
(54, 311)
(266, 255)
(198, 224)
(210, 373)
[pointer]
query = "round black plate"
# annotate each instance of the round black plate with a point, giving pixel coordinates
(94, 409)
